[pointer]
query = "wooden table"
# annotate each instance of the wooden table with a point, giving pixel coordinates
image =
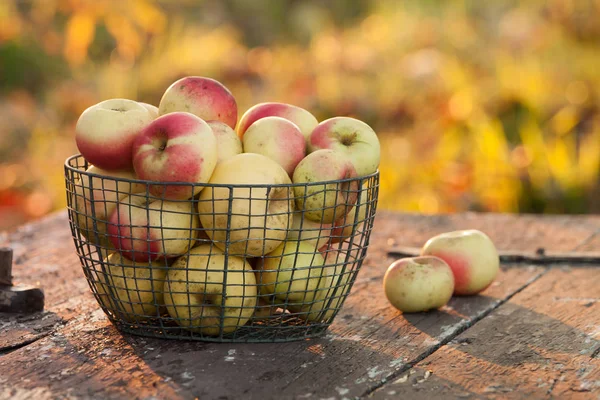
(535, 333)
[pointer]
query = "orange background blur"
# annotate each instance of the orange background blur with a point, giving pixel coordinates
(488, 106)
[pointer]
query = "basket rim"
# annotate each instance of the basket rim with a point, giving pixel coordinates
(212, 185)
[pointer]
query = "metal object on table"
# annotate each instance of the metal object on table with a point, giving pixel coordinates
(540, 257)
(20, 298)
(133, 289)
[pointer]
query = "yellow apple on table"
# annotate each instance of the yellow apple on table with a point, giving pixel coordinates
(249, 221)
(418, 284)
(136, 289)
(200, 297)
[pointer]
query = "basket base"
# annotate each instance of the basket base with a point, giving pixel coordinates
(284, 328)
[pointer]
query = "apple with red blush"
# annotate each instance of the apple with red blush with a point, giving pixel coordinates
(176, 147)
(471, 255)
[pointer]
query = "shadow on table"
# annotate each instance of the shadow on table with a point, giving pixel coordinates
(511, 334)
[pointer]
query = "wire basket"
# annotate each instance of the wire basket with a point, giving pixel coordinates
(232, 263)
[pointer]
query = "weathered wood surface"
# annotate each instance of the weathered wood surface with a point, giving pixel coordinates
(72, 350)
(543, 343)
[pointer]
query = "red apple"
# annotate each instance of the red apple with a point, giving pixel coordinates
(105, 132)
(205, 97)
(305, 121)
(176, 147)
(472, 256)
(278, 139)
(143, 229)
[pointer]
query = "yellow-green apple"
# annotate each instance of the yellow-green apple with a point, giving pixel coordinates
(199, 296)
(344, 227)
(205, 97)
(95, 196)
(472, 256)
(253, 216)
(228, 142)
(176, 147)
(291, 273)
(351, 137)
(136, 289)
(304, 120)
(335, 284)
(105, 132)
(306, 231)
(278, 139)
(325, 202)
(153, 110)
(418, 284)
(143, 228)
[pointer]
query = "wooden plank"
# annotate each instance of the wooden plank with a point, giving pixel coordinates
(44, 254)
(542, 343)
(368, 343)
(528, 233)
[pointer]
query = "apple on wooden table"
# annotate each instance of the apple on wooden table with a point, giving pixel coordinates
(418, 284)
(471, 255)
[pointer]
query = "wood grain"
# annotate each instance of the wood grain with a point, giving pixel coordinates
(81, 354)
(542, 343)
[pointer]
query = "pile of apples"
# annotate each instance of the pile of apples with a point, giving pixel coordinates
(242, 242)
(462, 263)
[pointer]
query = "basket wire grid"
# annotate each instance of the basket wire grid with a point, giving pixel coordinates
(232, 263)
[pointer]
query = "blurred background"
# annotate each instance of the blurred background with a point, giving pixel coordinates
(484, 106)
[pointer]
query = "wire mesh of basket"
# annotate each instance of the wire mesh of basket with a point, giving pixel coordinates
(229, 263)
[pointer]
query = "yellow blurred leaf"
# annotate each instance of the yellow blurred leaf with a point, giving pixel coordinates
(79, 36)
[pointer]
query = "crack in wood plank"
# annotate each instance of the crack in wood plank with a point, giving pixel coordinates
(531, 345)
(8, 349)
(460, 329)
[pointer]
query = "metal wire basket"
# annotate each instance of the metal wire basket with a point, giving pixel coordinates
(234, 263)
